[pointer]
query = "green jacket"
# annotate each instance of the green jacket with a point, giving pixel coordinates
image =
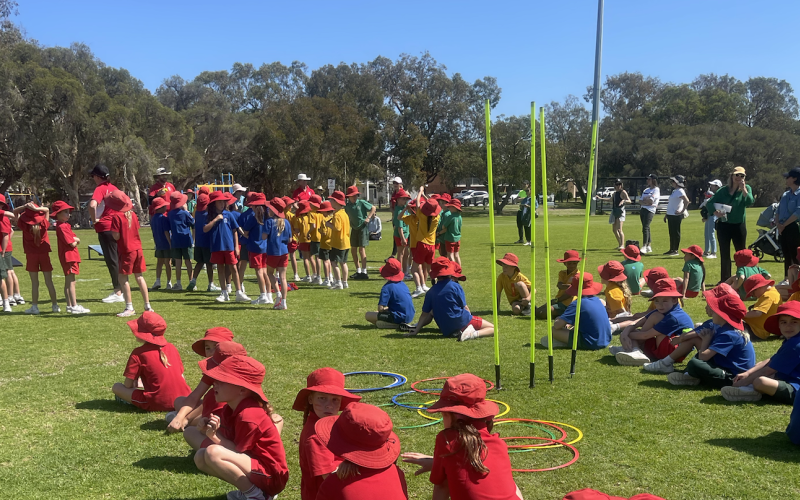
(738, 203)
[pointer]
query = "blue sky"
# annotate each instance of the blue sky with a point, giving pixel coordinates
(537, 50)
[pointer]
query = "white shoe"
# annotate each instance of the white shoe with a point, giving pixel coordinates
(659, 367)
(741, 394)
(469, 333)
(228, 288)
(12, 301)
(615, 328)
(241, 297)
(317, 281)
(345, 285)
(260, 301)
(19, 299)
(126, 313)
(327, 282)
(418, 293)
(56, 309)
(156, 286)
(681, 378)
(112, 299)
(614, 349)
(714, 256)
(296, 278)
(280, 305)
(223, 297)
(177, 286)
(783, 283)
(649, 249)
(79, 309)
(149, 309)
(556, 342)
(69, 309)
(213, 288)
(643, 250)
(34, 309)
(336, 286)
(634, 358)
(526, 244)
(307, 279)
(425, 288)
(408, 277)
(7, 307)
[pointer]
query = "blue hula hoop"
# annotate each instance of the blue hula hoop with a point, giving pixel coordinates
(398, 381)
(410, 407)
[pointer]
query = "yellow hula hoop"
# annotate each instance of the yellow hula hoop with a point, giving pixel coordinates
(580, 434)
(505, 412)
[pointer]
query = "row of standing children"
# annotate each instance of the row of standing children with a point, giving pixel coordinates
(9, 283)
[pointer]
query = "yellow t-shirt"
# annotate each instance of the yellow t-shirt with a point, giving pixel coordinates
(565, 279)
(340, 233)
(303, 227)
(292, 218)
(411, 221)
(767, 304)
(795, 296)
(325, 233)
(507, 283)
(615, 298)
(316, 219)
(427, 228)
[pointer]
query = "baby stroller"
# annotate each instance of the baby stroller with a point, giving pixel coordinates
(767, 242)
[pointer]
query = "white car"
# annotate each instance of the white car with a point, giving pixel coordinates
(606, 192)
(475, 198)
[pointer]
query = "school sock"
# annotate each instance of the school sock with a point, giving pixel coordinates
(129, 305)
(254, 493)
(157, 282)
(668, 360)
(147, 306)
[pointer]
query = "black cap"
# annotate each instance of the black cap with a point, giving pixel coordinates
(100, 170)
(617, 181)
(653, 176)
(795, 172)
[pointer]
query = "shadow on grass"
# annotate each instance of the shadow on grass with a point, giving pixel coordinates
(664, 384)
(608, 360)
(719, 400)
(178, 465)
(431, 334)
(366, 294)
(107, 405)
(229, 305)
(361, 326)
(220, 497)
(158, 424)
(774, 446)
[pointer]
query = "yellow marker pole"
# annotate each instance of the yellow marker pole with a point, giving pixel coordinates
(543, 147)
(490, 189)
(532, 194)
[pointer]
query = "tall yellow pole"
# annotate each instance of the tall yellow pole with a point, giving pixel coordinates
(490, 189)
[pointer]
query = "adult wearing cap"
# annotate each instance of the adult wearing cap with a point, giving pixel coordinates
(101, 220)
(731, 225)
(788, 221)
(397, 188)
(360, 212)
(649, 204)
(302, 192)
(395, 305)
(595, 328)
(161, 188)
(677, 210)
(710, 220)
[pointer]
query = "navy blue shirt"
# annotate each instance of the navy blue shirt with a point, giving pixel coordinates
(595, 329)
(674, 322)
(447, 302)
(222, 233)
(734, 353)
(159, 224)
(180, 224)
(201, 238)
(277, 240)
(787, 362)
(397, 298)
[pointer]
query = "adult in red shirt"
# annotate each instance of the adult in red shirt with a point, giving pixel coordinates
(303, 192)
(162, 188)
(101, 218)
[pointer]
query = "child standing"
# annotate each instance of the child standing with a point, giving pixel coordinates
(243, 446)
(401, 232)
(768, 300)
(452, 231)
(278, 234)
(359, 212)
(468, 460)
(395, 305)
(411, 220)
(777, 377)
(159, 225)
(428, 223)
(595, 328)
(694, 272)
(224, 232)
(317, 220)
(560, 303)
(125, 231)
(323, 396)
(746, 266)
(156, 363)
(618, 295)
(68, 255)
(633, 268)
(33, 222)
(291, 218)
(325, 210)
(516, 285)
(304, 221)
(181, 224)
(340, 240)
(254, 226)
(202, 246)
(6, 286)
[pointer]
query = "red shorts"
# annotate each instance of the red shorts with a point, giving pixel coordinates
(305, 247)
(399, 243)
(476, 323)
(661, 351)
(132, 263)
(292, 246)
(269, 482)
(221, 258)
(71, 267)
(690, 294)
(437, 246)
(258, 260)
(452, 246)
(423, 254)
(138, 400)
(37, 262)
(276, 261)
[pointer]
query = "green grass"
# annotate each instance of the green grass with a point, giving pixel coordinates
(62, 436)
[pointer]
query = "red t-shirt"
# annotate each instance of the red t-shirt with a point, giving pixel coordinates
(155, 188)
(29, 241)
(162, 384)
(103, 215)
(65, 238)
(5, 228)
(301, 194)
(315, 459)
(128, 241)
(385, 484)
(210, 403)
(464, 482)
(254, 434)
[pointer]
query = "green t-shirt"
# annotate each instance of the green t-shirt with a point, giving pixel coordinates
(633, 272)
(190, 206)
(357, 213)
(398, 223)
(442, 221)
(452, 228)
(738, 203)
(695, 270)
(746, 272)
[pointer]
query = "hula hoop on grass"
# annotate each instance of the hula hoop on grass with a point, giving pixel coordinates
(505, 412)
(398, 381)
(436, 392)
(549, 424)
(575, 453)
(420, 426)
(410, 407)
(539, 427)
(580, 433)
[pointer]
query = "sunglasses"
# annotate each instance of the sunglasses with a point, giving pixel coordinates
(739, 175)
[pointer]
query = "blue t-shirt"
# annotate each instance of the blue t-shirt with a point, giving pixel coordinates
(254, 241)
(674, 322)
(159, 224)
(787, 362)
(201, 238)
(277, 241)
(447, 301)
(222, 233)
(397, 298)
(734, 353)
(595, 329)
(180, 224)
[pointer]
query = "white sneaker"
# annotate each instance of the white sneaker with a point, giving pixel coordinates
(714, 256)
(634, 358)
(425, 288)
(783, 283)
(69, 309)
(19, 299)
(614, 349)
(649, 249)
(643, 250)
(6, 307)
(12, 301)
(741, 394)
(177, 286)
(79, 309)
(223, 297)
(327, 282)
(228, 288)
(280, 305)
(56, 309)
(34, 309)
(316, 281)
(345, 285)
(241, 297)
(126, 313)
(307, 279)
(615, 328)
(659, 367)
(556, 342)
(213, 288)
(526, 244)
(260, 301)
(112, 299)
(336, 286)
(681, 378)
(417, 293)
(296, 277)
(469, 333)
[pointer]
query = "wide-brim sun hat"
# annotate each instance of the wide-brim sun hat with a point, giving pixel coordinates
(612, 271)
(509, 259)
(241, 371)
(302, 177)
(118, 201)
(256, 199)
(678, 179)
(215, 334)
(458, 272)
(694, 250)
(338, 197)
(217, 196)
(237, 187)
(632, 252)
(57, 206)
(431, 208)
(352, 191)
(745, 258)
(362, 434)
(666, 287)
(392, 270)
(402, 193)
(162, 171)
(754, 282)
(303, 207)
(202, 202)
(724, 301)
(224, 350)
(159, 203)
(3, 203)
(590, 287)
(277, 206)
(651, 276)
(288, 201)
(791, 308)
(150, 328)
(465, 395)
(441, 267)
(325, 380)
(454, 204)
(325, 207)
(570, 256)
(177, 200)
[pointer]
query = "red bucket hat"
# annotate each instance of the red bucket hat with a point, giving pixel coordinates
(465, 394)
(666, 287)
(509, 259)
(32, 217)
(230, 198)
(224, 350)
(303, 207)
(745, 258)
(325, 380)
(651, 276)
(411, 206)
(631, 252)
(724, 301)
(454, 204)
(441, 267)
(756, 281)
(3, 203)
(457, 272)
(59, 206)
(217, 334)
(570, 256)
(315, 201)
(392, 270)
(288, 201)
(242, 371)
(436, 197)
(277, 207)
(325, 206)
(446, 197)
(402, 193)
(352, 191)
(256, 199)
(118, 201)
(177, 200)
(203, 190)
(338, 197)
(217, 196)
(362, 434)
(202, 202)
(589, 286)
(791, 308)
(159, 203)
(149, 327)
(612, 271)
(431, 208)
(694, 250)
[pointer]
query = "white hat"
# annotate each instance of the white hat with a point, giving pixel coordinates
(238, 187)
(716, 182)
(303, 177)
(397, 180)
(162, 171)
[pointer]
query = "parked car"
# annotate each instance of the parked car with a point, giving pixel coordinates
(606, 192)
(475, 198)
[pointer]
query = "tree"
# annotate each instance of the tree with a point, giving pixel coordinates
(568, 129)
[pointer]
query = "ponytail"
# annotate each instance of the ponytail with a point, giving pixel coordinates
(258, 210)
(128, 216)
(163, 356)
(36, 231)
(469, 440)
(347, 469)
(626, 292)
(281, 225)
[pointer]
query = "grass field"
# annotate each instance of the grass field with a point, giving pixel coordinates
(63, 436)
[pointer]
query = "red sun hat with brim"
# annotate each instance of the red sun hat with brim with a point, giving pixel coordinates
(612, 271)
(217, 196)
(3, 203)
(402, 193)
(509, 259)
(441, 267)
(303, 207)
(465, 395)
(288, 201)
(791, 308)
(745, 258)
(570, 256)
(223, 350)
(315, 201)
(338, 197)
(457, 272)
(446, 197)
(454, 204)
(256, 199)
(411, 206)
(665, 287)
(392, 270)
(325, 380)
(230, 198)
(149, 327)
(118, 201)
(631, 252)
(277, 207)
(651, 276)
(32, 217)
(215, 334)
(352, 191)
(436, 197)
(159, 203)
(177, 200)
(60, 206)
(325, 206)
(724, 301)
(589, 286)
(431, 208)
(202, 202)
(203, 190)
(694, 250)
(241, 371)
(190, 190)
(756, 281)
(362, 434)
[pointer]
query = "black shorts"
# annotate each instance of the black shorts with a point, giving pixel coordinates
(339, 256)
(202, 255)
(164, 254)
(359, 237)
(785, 393)
(387, 316)
(324, 254)
(182, 253)
(314, 248)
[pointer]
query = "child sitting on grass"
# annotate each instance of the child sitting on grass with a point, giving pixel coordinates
(633, 268)
(746, 266)
(767, 301)
(559, 304)
(395, 305)
(777, 377)
(595, 328)
(694, 272)
(516, 285)
(618, 295)
(652, 340)
(159, 225)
